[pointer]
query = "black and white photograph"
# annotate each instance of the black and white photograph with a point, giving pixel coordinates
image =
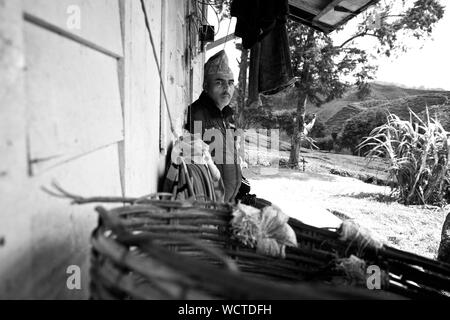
(232, 150)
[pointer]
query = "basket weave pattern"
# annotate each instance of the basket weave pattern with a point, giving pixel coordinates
(164, 249)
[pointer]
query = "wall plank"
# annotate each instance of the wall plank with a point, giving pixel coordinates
(100, 20)
(61, 232)
(141, 99)
(73, 98)
(59, 104)
(15, 225)
(177, 72)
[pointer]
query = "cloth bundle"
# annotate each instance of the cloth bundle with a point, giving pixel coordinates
(267, 229)
(194, 151)
(192, 172)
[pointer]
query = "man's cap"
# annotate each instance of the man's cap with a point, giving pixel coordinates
(218, 64)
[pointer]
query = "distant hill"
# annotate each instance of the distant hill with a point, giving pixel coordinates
(400, 107)
(380, 95)
(396, 99)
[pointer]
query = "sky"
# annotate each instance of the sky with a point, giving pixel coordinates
(429, 66)
(426, 65)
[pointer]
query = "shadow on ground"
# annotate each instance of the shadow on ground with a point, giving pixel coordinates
(261, 174)
(380, 197)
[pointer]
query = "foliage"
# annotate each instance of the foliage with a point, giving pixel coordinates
(417, 152)
(256, 117)
(325, 143)
(321, 66)
(313, 61)
(360, 126)
(221, 8)
(285, 121)
(390, 21)
(318, 131)
(364, 90)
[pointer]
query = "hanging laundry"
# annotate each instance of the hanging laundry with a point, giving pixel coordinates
(264, 22)
(256, 18)
(275, 69)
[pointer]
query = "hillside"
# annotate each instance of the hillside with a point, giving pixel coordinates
(287, 100)
(441, 113)
(336, 122)
(400, 107)
(396, 99)
(380, 95)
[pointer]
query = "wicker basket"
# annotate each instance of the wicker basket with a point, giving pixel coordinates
(156, 231)
(163, 249)
(410, 275)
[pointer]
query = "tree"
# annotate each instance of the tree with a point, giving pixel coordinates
(319, 64)
(360, 126)
(242, 85)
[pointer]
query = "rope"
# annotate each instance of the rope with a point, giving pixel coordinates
(147, 25)
(202, 183)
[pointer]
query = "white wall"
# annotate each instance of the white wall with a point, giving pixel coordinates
(82, 107)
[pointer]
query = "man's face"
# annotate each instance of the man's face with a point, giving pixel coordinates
(220, 88)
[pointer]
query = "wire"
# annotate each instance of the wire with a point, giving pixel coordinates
(218, 19)
(228, 33)
(147, 25)
(204, 19)
(211, 4)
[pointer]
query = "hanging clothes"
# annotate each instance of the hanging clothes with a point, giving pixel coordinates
(264, 22)
(275, 68)
(256, 18)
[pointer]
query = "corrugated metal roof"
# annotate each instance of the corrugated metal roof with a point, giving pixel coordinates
(327, 15)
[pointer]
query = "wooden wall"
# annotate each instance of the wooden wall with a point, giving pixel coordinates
(83, 108)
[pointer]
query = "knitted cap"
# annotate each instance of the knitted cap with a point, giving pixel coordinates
(218, 64)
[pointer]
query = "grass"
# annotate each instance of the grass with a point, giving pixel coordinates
(417, 154)
(310, 196)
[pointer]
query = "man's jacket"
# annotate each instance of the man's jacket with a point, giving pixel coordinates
(216, 130)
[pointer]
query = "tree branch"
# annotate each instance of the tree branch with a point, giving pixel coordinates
(393, 15)
(357, 36)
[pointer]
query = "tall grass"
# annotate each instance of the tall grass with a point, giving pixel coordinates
(417, 153)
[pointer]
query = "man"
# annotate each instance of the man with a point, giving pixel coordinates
(210, 116)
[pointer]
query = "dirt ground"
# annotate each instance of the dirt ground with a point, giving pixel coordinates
(322, 199)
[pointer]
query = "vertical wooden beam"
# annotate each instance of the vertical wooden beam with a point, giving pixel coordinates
(163, 125)
(124, 19)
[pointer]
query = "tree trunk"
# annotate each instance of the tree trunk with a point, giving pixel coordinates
(253, 78)
(242, 80)
(296, 139)
(302, 95)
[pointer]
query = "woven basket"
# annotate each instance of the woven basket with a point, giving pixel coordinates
(129, 239)
(410, 275)
(163, 249)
